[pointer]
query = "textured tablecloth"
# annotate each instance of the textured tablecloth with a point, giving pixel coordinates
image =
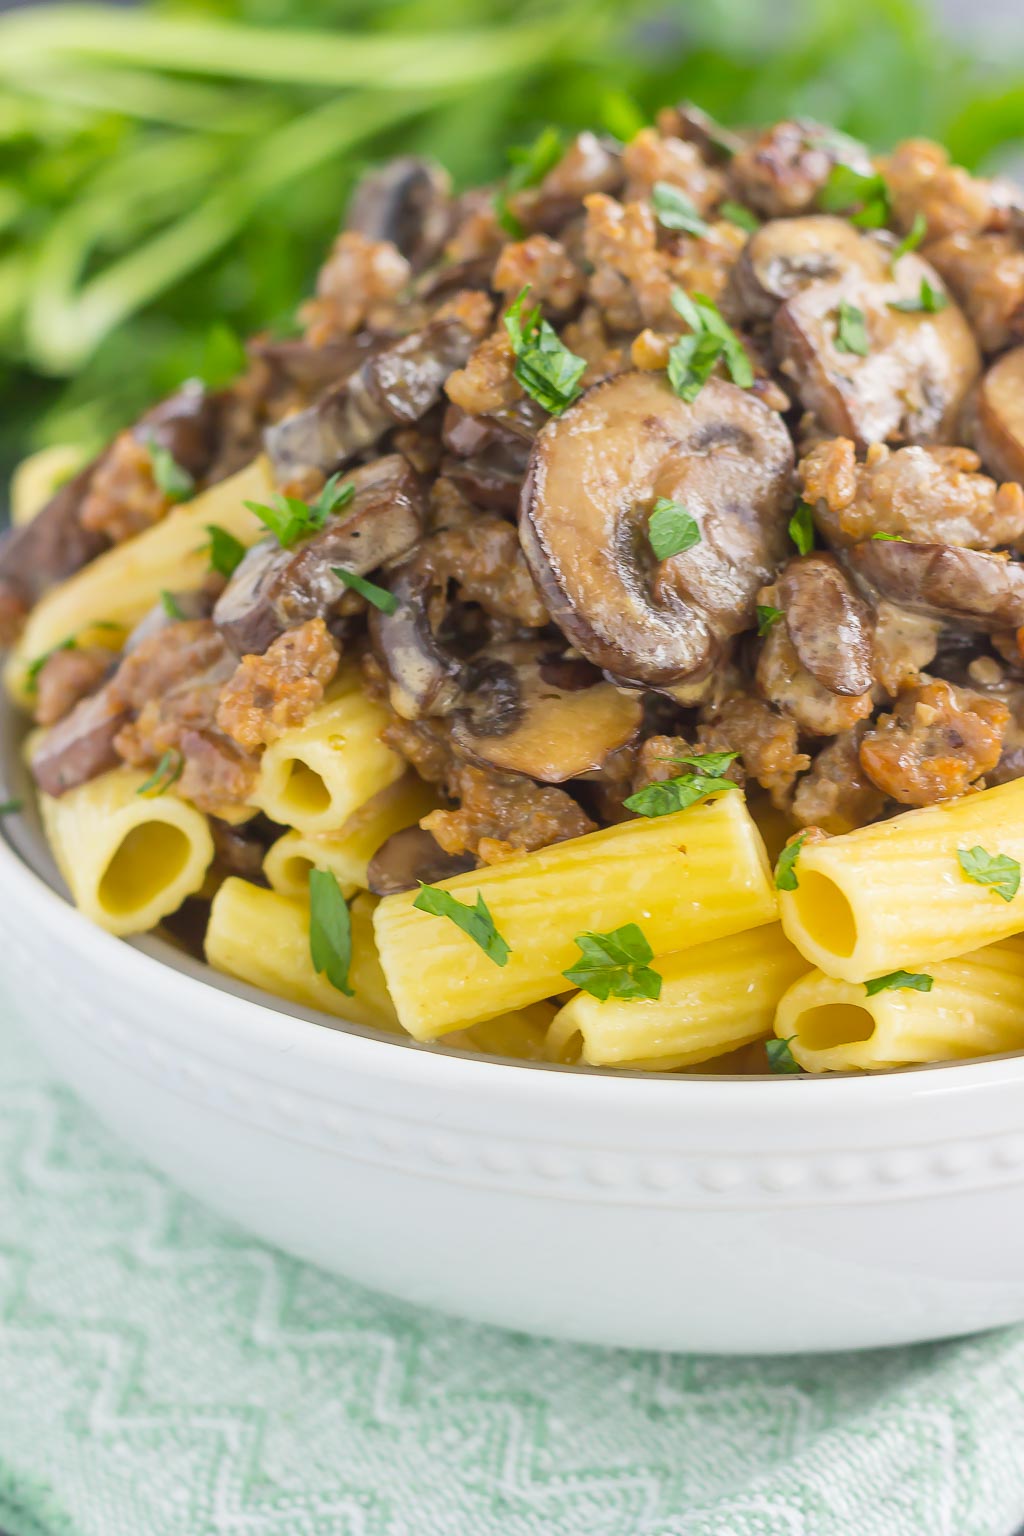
(163, 1375)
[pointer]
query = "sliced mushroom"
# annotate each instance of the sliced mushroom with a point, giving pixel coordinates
(491, 452)
(424, 678)
(187, 424)
(409, 856)
(595, 475)
(274, 589)
(919, 366)
(829, 623)
(715, 142)
(81, 745)
(407, 201)
(296, 365)
(973, 588)
(553, 733)
(995, 417)
(46, 550)
(785, 256)
(197, 604)
(396, 387)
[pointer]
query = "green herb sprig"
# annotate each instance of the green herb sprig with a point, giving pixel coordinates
(785, 869)
(225, 551)
(546, 369)
(671, 529)
(674, 210)
(380, 597)
(167, 772)
(780, 1057)
(929, 301)
(330, 930)
(896, 981)
(851, 330)
(615, 964)
(668, 795)
(171, 477)
(863, 192)
(693, 358)
(291, 519)
(997, 870)
(476, 921)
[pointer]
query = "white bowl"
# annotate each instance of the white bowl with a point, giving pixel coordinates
(667, 1212)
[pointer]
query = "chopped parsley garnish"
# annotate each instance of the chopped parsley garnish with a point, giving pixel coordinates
(291, 519)
(530, 163)
(330, 930)
(801, 527)
(226, 552)
(476, 921)
(780, 1057)
(767, 616)
(929, 301)
(678, 794)
(35, 666)
(740, 216)
(674, 210)
(851, 329)
(912, 239)
(621, 116)
(890, 538)
(10, 807)
(995, 869)
(693, 358)
(380, 597)
(167, 772)
(224, 356)
(171, 606)
(912, 981)
(671, 529)
(615, 964)
(848, 189)
(785, 869)
(546, 369)
(171, 477)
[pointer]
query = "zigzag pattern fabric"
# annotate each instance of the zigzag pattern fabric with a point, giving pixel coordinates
(163, 1375)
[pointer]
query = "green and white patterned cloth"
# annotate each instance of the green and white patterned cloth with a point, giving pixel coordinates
(163, 1375)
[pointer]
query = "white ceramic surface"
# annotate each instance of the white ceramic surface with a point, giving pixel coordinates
(675, 1213)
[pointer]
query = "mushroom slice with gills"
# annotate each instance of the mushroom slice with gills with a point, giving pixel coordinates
(490, 453)
(408, 857)
(187, 425)
(80, 746)
(918, 367)
(829, 623)
(407, 201)
(995, 417)
(551, 733)
(970, 587)
(275, 589)
(393, 388)
(424, 679)
(595, 475)
(297, 367)
(785, 255)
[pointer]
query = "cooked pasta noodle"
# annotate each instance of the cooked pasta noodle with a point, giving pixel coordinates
(36, 478)
(262, 937)
(975, 1007)
(714, 998)
(893, 894)
(685, 878)
(347, 852)
(128, 859)
(123, 584)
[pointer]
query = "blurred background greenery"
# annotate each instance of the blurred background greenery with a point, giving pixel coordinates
(171, 174)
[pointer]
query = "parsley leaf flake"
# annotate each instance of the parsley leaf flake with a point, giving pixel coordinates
(476, 921)
(615, 964)
(895, 981)
(330, 930)
(546, 369)
(995, 869)
(672, 529)
(785, 869)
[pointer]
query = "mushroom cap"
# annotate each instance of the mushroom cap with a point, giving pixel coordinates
(829, 623)
(594, 476)
(995, 417)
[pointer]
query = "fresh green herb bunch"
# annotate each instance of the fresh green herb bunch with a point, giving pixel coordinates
(139, 229)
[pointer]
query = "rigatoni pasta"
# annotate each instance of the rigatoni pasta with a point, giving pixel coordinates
(685, 878)
(972, 1006)
(347, 852)
(313, 778)
(714, 998)
(129, 859)
(895, 894)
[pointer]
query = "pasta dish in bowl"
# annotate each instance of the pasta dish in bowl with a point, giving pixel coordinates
(594, 641)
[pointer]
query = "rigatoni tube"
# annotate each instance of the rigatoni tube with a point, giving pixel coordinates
(123, 584)
(128, 859)
(893, 895)
(262, 937)
(714, 998)
(316, 775)
(347, 852)
(975, 1007)
(685, 878)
